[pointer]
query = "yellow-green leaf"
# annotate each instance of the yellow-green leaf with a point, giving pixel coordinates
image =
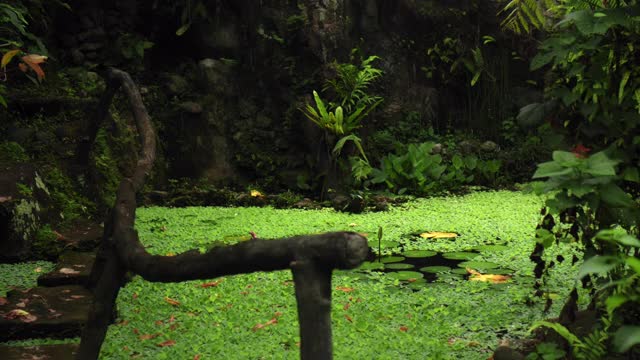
(6, 58)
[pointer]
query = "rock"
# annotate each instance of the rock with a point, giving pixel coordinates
(55, 312)
(58, 352)
(467, 147)
(217, 76)
(437, 149)
(489, 146)
(340, 202)
(80, 264)
(306, 203)
(507, 353)
(175, 84)
(190, 107)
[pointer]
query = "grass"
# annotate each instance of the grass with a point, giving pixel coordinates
(374, 316)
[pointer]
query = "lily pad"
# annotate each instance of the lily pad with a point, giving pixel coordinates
(478, 265)
(459, 255)
(405, 275)
(391, 259)
(490, 248)
(419, 253)
(371, 265)
(435, 269)
(388, 244)
(398, 266)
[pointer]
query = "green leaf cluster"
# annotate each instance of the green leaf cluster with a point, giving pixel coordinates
(419, 171)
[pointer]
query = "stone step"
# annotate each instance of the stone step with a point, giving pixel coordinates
(48, 352)
(54, 312)
(73, 268)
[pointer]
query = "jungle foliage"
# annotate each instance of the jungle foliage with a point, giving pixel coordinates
(593, 93)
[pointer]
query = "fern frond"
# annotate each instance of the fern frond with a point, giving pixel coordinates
(525, 15)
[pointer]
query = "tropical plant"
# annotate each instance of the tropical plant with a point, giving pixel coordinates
(341, 119)
(419, 171)
(593, 91)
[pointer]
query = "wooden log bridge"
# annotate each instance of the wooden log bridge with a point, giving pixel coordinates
(311, 258)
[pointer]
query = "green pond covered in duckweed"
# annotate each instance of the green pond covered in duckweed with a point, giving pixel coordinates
(410, 313)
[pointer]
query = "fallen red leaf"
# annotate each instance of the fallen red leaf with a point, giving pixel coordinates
(167, 343)
(344, 288)
(271, 322)
(346, 306)
(158, 322)
(136, 331)
(257, 327)
(277, 314)
(404, 328)
(210, 284)
(135, 295)
(196, 357)
(348, 318)
(172, 318)
(171, 301)
(149, 336)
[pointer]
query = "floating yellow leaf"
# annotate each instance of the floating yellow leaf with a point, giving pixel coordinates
(438, 235)
(256, 193)
(495, 279)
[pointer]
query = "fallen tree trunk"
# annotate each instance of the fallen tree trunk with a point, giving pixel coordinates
(311, 257)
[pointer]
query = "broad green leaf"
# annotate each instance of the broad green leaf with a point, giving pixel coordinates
(457, 161)
(565, 158)
(631, 174)
(550, 169)
(541, 59)
(634, 263)
(598, 264)
(626, 337)
(599, 164)
(471, 162)
(613, 195)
